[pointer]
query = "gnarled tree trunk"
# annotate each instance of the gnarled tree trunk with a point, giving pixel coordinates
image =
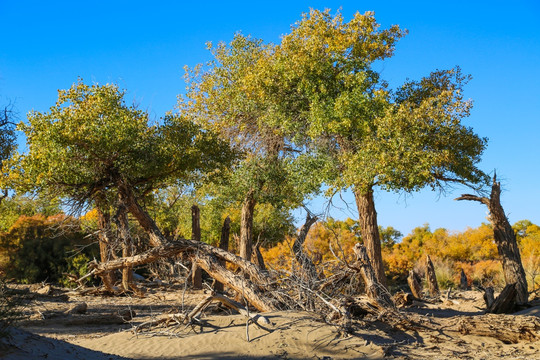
(505, 239)
(246, 226)
(122, 222)
(301, 257)
(370, 231)
(105, 245)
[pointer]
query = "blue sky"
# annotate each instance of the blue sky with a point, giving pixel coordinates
(143, 47)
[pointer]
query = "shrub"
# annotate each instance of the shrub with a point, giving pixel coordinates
(37, 248)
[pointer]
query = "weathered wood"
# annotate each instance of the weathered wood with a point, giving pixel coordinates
(414, 285)
(257, 257)
(463, 282)
(505, 302)
(509, 329)
(489, 296)
(431, 278)
(505, 239)
(403, 299)
(120, 317)
(224, 245)
(375, 290)
(238, 283)
(196, 272)
(301, 257)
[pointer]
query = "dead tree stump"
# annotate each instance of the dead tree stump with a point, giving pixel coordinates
(505, 302)
(301, 257)
(431, 278)
(505, 238)
(414, 285)
(375, 290)
(463, 282)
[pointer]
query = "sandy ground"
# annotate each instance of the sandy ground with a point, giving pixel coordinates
(221, 335)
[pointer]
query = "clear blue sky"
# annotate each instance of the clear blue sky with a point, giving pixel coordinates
(143, 47)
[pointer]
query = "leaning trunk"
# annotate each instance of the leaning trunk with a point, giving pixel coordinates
(370, 231)
(246, 226)
(505, 238)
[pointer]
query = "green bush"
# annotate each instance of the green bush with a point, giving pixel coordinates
(38, 248)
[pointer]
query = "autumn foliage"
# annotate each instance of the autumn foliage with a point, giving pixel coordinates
(472, 250)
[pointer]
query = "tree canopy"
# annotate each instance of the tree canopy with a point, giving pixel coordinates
(91, 141)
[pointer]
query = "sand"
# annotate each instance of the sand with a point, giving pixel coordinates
(291, 335)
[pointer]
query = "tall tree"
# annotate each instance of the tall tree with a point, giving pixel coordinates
(91, 148)
(368, 136)
(218, 99)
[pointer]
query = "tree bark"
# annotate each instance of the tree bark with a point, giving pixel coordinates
(224, 245)
(414, 285)
(196, 272)
(505, 239)
(122, 222)
(505, 302)
(246, 226)
(105, 244)
(301, 257)
(142, 217)
(370, 231)
(431, 278)
(374, 288)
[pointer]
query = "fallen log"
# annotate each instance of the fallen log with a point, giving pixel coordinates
(179, 318)
(238, 283)
(509, 329)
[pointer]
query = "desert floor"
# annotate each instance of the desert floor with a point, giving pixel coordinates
(48, 333)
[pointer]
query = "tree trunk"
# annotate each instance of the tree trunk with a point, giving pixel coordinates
(105, 245)
(196, 272)
(142, 217)
(505, 238)
(246, 226)
(122, 222)
(431, 278)
(301, 257)
(374, 288)
(224, 245)
(370, 231)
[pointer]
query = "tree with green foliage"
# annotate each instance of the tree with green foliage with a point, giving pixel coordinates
(218, 99)
(367, 135)
(92, 149)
